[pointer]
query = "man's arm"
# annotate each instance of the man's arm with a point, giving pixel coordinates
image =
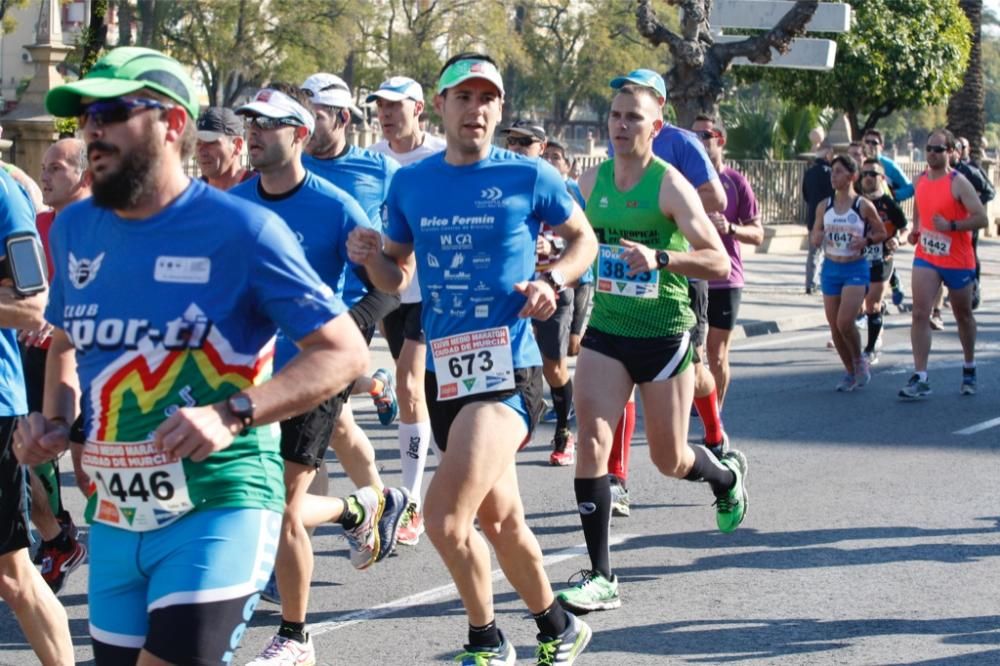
(963, 191)
(902, 188)
(713, 197)
(707, 259)
(22, 313)
(329, 359)
(45, 436)
(581, 245)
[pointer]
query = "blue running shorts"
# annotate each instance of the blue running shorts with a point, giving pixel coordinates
(835, 276)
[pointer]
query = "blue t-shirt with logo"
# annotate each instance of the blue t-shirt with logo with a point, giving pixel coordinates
(473, 229)
(366, 176)
(321, 216)
(573, 188)
(16, 215)
(178, 309)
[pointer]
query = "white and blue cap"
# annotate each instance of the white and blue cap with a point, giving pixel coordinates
(276, 104)
(330, 90)
(397, 89)
(646, 78)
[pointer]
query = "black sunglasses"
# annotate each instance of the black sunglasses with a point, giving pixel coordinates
(873, 174)
(118, 110)
(265, 123)
(873, 142)
(932, 148)
(708, 135)
(523, 141)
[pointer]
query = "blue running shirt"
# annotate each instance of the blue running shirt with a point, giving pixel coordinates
(181, 309)
(320, 215)
(366, 176)
(473, 229)
(15, 216)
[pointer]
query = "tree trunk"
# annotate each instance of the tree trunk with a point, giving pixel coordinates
(695, 84)
(94, 36)
(125, 14)
(966, 108)
(147, 22)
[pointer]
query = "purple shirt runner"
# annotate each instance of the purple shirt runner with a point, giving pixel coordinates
(741, 207)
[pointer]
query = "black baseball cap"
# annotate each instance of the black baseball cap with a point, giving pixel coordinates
(216, 122)
(526, 128)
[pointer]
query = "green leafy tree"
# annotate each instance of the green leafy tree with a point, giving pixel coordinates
(899, 54)
(573, 49)
(7, 23)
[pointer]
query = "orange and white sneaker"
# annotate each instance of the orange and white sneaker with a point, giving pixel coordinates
(563, 449)
(412, 527)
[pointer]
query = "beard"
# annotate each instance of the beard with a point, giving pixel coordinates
(132, 181)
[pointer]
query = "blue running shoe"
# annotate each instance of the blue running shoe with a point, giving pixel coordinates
(396, 501)
(385, 402)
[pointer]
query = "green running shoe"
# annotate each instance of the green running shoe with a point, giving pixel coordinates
(502, 655)
(566, 647)
(731, 509)
(593, 592)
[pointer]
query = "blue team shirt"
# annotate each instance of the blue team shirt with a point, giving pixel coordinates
(366, 176)
(178, 309)
(683, 150)
(473, 229)
(573, 188)
(16, 215)
(320, 215)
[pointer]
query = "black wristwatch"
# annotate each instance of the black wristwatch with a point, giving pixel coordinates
(662, 259)
(556, 279)
(241, 406)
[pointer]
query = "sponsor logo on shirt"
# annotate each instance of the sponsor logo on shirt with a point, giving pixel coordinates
(456, 241)
(491, 197)
(84, 271)
(482, 311)
(184, 270)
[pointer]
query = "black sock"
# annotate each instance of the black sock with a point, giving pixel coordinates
(708, 468)
(562, 398)
(593, 498)
(552, 621)
(295, 631)
(874, 328)
(61, 542)
(353, 513)
(485, 636)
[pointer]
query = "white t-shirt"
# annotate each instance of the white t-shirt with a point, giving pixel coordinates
(431, 144)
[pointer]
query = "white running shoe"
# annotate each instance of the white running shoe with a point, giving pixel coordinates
(364, 538)
(286, 652)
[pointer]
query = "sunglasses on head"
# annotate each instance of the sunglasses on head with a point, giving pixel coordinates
(523, 141)
(118, 110)
(873, 174)
(265, 123)
(934, 148)
(708, 135)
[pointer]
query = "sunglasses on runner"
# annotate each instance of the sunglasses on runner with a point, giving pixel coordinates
(873, 174)
(934, 148)
(523, 141)
(265, 123)
(118, 110)
(873, 142)
(708, 135)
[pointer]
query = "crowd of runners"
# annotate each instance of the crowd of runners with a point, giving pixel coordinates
(197, 349)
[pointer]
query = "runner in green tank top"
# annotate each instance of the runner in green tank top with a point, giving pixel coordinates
(652, 303)
(645, 215)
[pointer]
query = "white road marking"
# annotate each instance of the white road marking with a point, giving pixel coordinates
(437, 593)
(979, 427)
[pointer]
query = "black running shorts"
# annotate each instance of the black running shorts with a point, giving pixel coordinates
(645, 359)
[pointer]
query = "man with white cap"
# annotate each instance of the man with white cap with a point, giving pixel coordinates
(220, 148)
(484, 392)
(365, 176)
(399, 102)
(321, 215)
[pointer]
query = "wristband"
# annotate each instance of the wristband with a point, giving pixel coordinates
(954, 225)
(732, 231)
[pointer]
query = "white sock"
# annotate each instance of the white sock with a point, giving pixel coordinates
(414, 438)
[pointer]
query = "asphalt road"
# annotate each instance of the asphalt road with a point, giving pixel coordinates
(873, 534)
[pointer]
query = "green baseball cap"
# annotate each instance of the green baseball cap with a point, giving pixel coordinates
(463, 70)
(123, 71)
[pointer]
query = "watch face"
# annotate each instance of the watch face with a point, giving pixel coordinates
(240, 404)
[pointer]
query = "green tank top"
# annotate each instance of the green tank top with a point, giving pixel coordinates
(648, 305)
